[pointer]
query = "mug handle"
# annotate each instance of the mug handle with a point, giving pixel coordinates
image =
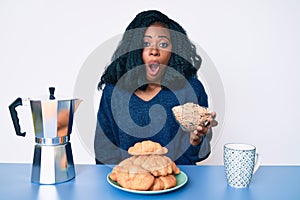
(257, 163)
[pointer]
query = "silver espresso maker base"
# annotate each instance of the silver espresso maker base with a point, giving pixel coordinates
(52, 164)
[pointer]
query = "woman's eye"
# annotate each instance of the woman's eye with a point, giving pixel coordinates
(163, 45)
(146, 44)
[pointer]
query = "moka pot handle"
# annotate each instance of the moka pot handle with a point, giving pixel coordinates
(14, 116)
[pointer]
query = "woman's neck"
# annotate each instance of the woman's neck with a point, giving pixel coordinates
(151, 91)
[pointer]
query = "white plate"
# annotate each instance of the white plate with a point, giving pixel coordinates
(181, 179)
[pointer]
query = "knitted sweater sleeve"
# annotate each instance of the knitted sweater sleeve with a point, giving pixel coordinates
(105, 142)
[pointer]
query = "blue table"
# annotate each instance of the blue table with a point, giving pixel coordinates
(204, 182)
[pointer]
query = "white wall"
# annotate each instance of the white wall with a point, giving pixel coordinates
(254, 46)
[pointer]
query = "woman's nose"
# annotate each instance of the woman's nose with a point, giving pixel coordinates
(154, 51)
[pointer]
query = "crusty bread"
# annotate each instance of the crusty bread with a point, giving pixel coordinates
(146, 171)
(147, 147)
(190, 115)
(160, 165)
(164, 182)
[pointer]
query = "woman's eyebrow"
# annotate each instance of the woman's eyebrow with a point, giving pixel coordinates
(160, 36)
(163, 36)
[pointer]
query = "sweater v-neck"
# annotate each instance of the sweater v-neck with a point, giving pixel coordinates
(150, 100)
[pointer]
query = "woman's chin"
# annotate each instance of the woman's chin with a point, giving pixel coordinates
(153, 79)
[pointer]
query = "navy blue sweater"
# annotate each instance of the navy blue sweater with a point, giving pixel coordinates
(124, 119)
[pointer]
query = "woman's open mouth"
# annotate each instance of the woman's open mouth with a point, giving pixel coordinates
(153, 68)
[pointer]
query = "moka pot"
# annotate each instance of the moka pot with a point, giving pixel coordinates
(52, 121)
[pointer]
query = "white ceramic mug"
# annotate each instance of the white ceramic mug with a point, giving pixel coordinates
(241, 161)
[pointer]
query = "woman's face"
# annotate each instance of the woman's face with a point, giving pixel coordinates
(156, 52)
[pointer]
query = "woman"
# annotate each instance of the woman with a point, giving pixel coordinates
(153, 69)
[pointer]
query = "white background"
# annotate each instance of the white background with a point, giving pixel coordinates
(254, 46)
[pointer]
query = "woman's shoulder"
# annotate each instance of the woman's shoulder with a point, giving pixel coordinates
(196, 83)
(199, 91)
(110, 90)
(107, 91)
(108, 87)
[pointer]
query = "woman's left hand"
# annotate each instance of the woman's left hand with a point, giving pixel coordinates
(196, 136)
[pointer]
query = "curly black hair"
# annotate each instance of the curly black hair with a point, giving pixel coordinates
(128, 55)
